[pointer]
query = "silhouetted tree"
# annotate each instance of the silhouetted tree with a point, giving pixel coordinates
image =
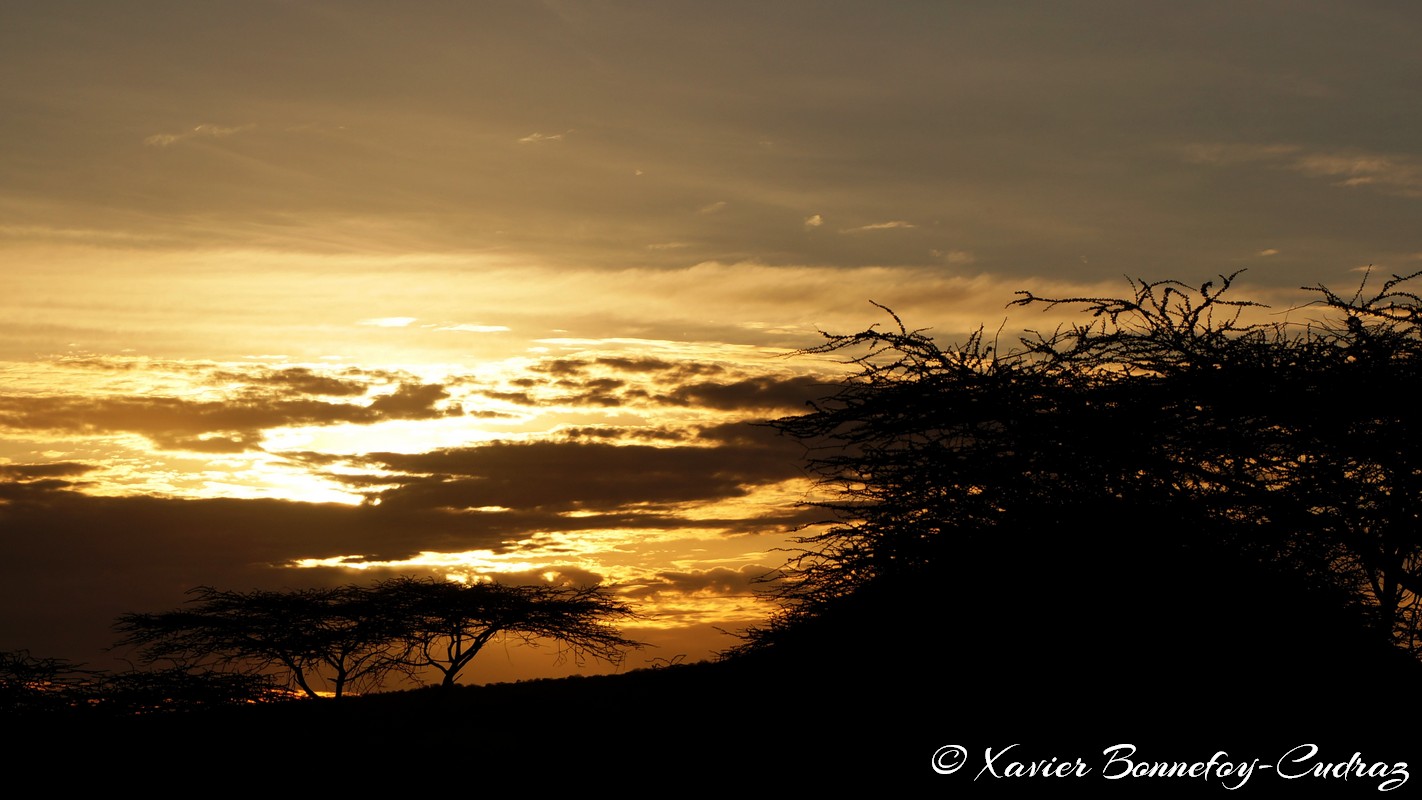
(178, 689)
(336, 635)
(351, 638)
(1163, 416)
(1301, 440)
(445, 624)
(31, 683)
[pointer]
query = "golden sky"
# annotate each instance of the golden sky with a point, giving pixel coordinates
(303, 292)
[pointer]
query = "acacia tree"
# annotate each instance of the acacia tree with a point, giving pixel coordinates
(1300, 439)
(1288, 445)
(335, 636)
(446, 623)
(351, 638)
(31, 683)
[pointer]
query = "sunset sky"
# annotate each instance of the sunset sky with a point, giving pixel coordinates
(298, 293)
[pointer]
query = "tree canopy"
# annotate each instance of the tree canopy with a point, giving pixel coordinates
(444, 625)
(351, 638)
(1166, 425)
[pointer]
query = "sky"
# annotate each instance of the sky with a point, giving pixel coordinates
(308, 293)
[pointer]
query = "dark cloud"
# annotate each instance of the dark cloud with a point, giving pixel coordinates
(753, 393)
(297, 380)
(576, 475)
(720, 580)
(209, 426)
(629, 364)
(752, 433)
(756, 433)
(614, 432)
(761, 392)
(30, 472)
(490, 415)
(410, 401)
(518, 398)
(594, 385)
(70, 562)
(589, 398)
(561, 366)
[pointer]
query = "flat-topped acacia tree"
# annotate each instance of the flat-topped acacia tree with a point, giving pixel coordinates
(351, 638)
(444, 624)
(320, 637)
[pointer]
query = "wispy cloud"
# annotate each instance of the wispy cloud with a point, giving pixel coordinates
(712, 208)
(538, 138)
(388, 322)
(1392, 174)
(880, 226)
(1227, 153)
(1402, 175)
(954, 256)
(206, 129)
(814, 221)
(468, 328)
(86, 235)
(1268, 251)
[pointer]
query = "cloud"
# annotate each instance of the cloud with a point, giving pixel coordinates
(764, 392)
(716, 581)
(1228, 153)
(881, 226)
(219, 131)
(1268, 252)
(388, 322)
(1396, 174)
(624, 433)
(36, 472)
(538, 138)
(70, 563)
(1393, 174)
(571, 384)
(649, 364)
(468, 328)
(633, 364)
(595, 397)
(410, 401)
(302, 380)
(712, 208)
(216, 426)
(207, 130)
(163, 139)
(745, 433)
(814, 221)
(961, 257)
(578, 475)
